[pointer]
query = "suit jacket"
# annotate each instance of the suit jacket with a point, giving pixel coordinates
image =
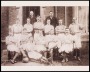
(54, 21)
(32, 20)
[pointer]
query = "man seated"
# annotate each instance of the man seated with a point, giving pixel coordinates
(51, 44)
(12, 48)
(66, 45)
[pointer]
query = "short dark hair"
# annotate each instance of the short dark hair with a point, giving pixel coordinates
(48, 19)
(28, 18)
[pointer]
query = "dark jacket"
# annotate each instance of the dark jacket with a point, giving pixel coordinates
(32, 20)
(54, 21)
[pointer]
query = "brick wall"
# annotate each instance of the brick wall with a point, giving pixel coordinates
(69, 15)
(4, 25)
(13, 12)
(8, 17)
(4, 22)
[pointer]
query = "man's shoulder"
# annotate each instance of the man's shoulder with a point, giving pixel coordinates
(70, 25)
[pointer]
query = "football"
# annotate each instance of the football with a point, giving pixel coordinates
(25, 60)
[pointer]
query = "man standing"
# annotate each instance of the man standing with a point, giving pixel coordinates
(52, 18)
(75, 31)
(32, 17)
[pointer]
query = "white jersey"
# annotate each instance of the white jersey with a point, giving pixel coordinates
(17, 31)
(60, 29)
(74, 28)
(39, 25)
(67, 43)
(28, 27)
(48, 28)
(17, 28)
(36, 36)
(68, 38)
(24, 38)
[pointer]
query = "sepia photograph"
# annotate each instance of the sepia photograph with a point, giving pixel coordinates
(45, 35)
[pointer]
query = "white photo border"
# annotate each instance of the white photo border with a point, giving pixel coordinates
(44, 3)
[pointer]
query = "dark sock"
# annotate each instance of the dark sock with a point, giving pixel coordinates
(78, 53)
(9, 55)
(75, 52)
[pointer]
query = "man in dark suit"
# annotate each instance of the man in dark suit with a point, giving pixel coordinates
(53, 19)
(32, 17)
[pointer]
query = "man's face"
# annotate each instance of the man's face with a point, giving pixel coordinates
(31, 13)
(38, 19)
(67, 31)
(74, 20)
(60, 22)
(48, 21)
(28, 21)
(51, 14)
